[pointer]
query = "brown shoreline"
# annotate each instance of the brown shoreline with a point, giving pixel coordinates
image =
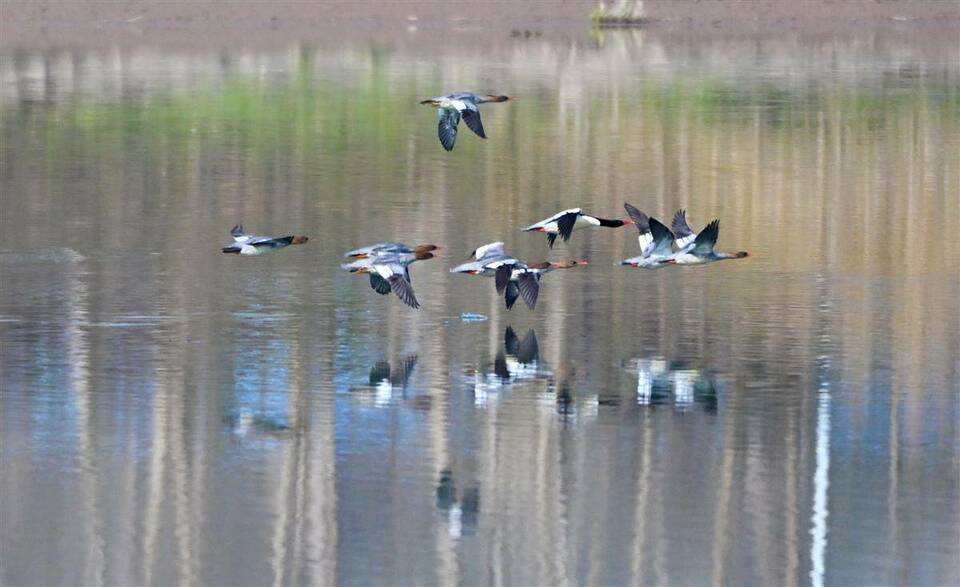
(36, 24)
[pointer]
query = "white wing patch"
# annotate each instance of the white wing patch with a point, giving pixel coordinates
(385, 271)
(685, 241)
(646, 242)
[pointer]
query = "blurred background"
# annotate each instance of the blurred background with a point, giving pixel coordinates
(172, 414)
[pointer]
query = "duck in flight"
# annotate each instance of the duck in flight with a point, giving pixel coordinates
(389, 248)
(523, 280)
(249, 244)
(451, 108)
(656, 241)
(485, 261)
(563, 224)
(390, 272)
(701, 251)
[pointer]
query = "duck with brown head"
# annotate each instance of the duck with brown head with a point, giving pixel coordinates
(389, 248)
(249, 244)
(389, 271)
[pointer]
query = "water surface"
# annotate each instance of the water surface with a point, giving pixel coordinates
(169, 414)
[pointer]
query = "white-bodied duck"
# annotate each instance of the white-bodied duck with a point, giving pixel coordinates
(249, 244)
(563, 224)
(452, 107)
(656, 241)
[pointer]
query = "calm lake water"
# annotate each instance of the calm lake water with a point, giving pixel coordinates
(171, 415)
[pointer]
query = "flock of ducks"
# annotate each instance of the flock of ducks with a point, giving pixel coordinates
(388, 263)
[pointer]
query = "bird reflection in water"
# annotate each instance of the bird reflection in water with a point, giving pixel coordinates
(661, 382)
(385, 380)
(247, 424)
(518, 361)
(461, 514)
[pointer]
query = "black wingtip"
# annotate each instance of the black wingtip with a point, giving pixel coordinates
(679, 224)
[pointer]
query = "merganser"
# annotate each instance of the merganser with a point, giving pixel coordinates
(390, 272)
(564, 223)
(387, 248)
(701, 251)
(522, 280)
(248, 244)
(656, 241)
(486, 260)
(452, 107)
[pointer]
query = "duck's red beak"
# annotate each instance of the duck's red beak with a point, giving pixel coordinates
(628, 221)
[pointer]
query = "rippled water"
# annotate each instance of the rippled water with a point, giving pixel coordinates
(169, 414)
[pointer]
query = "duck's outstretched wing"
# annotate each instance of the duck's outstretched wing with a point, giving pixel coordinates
(551, 238)
(566, 223)
(681, 230)
(448, 119)
(404, 290)
(707, 238)
(661, 239)
(487, 249)
(529, 286)
(471, 116)
(642, 222)
(377, 249)
(502, 277)
(237, 232)
(379, 284)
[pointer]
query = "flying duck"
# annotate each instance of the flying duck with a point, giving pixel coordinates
(564, 223)
(522, 280)
(388, 248)
(453, 107)
(701, 250)
(248, 244)
(390, 272)
(656, 240)
(485, 260)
